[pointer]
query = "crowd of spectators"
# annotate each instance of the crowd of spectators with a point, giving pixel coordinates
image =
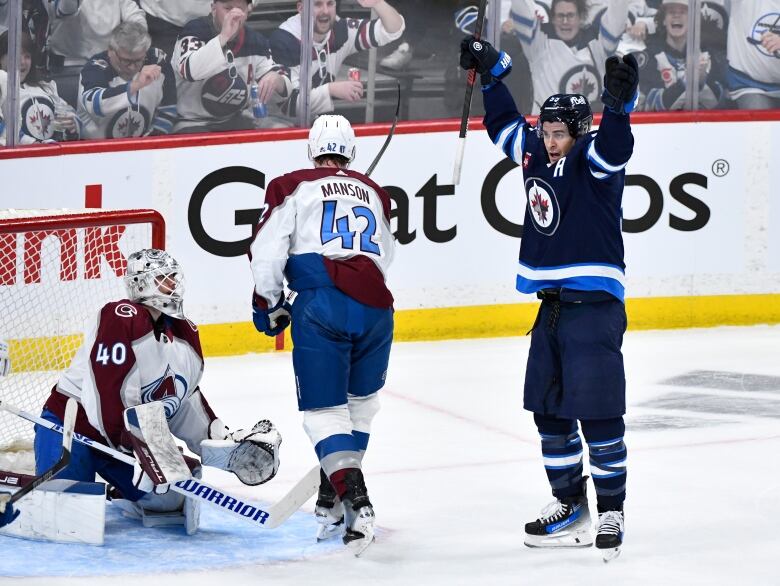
(127, 68)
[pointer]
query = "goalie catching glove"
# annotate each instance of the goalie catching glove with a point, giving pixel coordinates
(251, 454)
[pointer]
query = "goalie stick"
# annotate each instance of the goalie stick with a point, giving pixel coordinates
(251, 511)
(471, 79)
(67, 439)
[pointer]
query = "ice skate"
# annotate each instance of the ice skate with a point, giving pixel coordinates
(358, 514)
(328, 511)
(609, 534)
(563, 523)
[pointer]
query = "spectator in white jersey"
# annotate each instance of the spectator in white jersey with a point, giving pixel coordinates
(166, 18)
(566, 56)
(81, 28)
(754, 53)
(216, 61)
(335, 39)
(128, 90)
(663, 65)
(45, 116)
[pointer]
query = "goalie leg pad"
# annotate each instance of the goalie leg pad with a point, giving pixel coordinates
(63, 511)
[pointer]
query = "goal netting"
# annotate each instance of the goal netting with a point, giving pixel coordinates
(57, 268)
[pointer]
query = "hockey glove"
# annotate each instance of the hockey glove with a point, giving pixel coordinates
(489, 63)
(251, 454)
(621, 83)
(272, 321)
(9, 514)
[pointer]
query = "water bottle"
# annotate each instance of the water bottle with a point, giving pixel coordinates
(258, 108)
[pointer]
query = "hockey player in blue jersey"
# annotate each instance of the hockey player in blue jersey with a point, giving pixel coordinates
(571, 256)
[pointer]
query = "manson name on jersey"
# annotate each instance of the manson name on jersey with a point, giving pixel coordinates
(344, 188)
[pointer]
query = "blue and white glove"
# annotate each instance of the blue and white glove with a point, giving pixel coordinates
(621, 84)
(9, 514)
(274, 320)
(489, 63)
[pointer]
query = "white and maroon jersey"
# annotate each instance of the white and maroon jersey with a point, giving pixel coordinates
(348, 36)
(323, 227)
(177, 12)
(560, 68)
(212, 82)
(753, 68)
(80, 35)
(127, 359)
(36, 122)
(108, 110)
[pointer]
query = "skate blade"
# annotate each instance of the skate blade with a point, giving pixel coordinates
(571, 540)
(359, 546)
(610, 554)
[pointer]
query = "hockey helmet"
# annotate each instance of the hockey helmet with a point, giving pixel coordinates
(332, 134)
(571, 109)
(154, 278)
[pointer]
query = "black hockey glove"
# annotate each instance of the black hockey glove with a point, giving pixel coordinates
(621, 82)
(489, 63)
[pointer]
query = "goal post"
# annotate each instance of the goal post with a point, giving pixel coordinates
(57, 269)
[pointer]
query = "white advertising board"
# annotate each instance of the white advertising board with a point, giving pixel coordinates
(699, 216)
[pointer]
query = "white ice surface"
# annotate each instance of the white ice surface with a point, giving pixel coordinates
(454, 469)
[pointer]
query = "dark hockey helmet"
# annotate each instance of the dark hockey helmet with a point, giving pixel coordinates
(571, 109)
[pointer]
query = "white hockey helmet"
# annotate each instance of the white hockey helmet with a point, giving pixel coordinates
(154, 278)
(332, 134)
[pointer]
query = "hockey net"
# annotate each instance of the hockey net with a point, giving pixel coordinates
(57, 269)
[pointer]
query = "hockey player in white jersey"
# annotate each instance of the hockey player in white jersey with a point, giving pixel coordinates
(327, 232)
(335, 39)
(143, 350)
(216, 61)
(565, 56)
(129, 90)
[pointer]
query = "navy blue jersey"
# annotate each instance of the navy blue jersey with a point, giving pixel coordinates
(572, 234)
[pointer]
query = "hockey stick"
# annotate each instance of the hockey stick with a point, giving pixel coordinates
(194, 488)
(464, 118)
(389, 136)
(67, 439)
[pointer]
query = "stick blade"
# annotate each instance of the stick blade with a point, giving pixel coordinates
(300, 493)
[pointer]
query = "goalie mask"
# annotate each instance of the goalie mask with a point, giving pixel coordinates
(155, 279)
(332, 134)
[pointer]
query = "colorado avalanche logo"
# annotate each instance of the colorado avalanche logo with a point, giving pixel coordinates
(125, 310)
(128, 123)
(37, 118)
(583, 79)
(542, 206)
(223, 95)
(170, 388)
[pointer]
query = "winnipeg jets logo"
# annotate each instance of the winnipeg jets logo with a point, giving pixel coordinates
(768, 23)
(542, 206)
(170, 388)
(583, 79)
(477, 46)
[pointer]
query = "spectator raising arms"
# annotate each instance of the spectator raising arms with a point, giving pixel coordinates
(128, 90)
(565, 55)
(663, 79)
(45, 117)
(216, 59)
(335, 39)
